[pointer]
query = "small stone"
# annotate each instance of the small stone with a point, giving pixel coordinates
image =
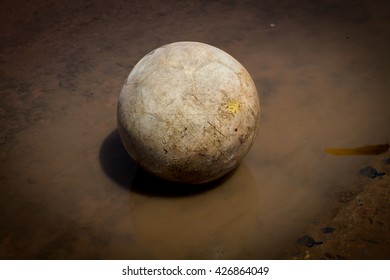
(328, 230)
(308, 241)
(371, 172)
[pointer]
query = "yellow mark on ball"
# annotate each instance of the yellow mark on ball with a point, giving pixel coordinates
(234, 107)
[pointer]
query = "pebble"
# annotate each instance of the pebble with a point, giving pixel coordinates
(371, 172)
(308, 241)
(328, 230)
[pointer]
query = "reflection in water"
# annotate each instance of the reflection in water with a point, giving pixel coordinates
(218, 223)
(364, 150)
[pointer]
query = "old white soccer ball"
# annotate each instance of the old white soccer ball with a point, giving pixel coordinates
(188, 112)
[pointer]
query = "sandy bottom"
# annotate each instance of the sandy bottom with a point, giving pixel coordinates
(68, 190)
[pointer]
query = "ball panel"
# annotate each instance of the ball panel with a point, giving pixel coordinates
(188, 112)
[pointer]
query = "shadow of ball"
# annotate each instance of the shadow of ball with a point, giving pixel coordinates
(116, 162)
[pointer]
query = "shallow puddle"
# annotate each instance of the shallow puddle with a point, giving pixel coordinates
(70, 191)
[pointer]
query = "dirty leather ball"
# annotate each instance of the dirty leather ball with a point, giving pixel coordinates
(188, 112)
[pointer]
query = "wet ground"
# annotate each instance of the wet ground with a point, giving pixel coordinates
(68, 190)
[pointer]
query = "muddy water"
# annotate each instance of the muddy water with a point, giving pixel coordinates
(68, 190)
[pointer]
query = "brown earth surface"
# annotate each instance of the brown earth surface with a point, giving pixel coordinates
(355, 224)
(68, 190)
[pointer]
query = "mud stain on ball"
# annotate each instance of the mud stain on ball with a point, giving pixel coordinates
(188, 112)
